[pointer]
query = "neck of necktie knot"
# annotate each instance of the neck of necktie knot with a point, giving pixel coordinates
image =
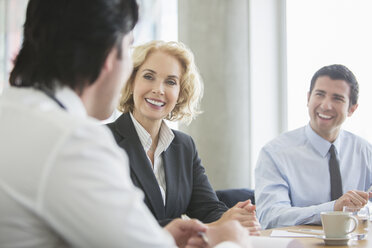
(332, 150)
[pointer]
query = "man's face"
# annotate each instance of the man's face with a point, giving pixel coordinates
(126, 58)
(328, 106)
(117, 72)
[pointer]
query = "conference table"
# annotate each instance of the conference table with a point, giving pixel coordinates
(318, 243)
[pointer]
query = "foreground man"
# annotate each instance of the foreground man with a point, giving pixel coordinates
(63, 180)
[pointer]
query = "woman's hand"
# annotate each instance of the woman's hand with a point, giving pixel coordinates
(245, 213)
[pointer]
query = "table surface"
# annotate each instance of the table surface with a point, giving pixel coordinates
(316, 242)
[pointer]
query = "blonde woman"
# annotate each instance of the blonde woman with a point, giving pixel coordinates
(165, 84)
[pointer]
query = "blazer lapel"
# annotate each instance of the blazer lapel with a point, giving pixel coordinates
(172, 174)
(140, 165)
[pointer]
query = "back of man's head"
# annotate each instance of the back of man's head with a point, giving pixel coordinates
(67, 41)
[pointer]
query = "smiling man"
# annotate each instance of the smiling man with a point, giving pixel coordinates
(318, 167)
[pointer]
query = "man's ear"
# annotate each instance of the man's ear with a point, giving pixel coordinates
(308, 97)
(110, 59)
(107, 67)
(352, 109)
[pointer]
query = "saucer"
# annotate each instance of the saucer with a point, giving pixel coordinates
(334, 241)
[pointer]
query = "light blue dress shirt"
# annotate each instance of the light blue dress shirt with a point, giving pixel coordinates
(292, 175)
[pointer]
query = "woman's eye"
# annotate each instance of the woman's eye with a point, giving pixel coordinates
(171, 82)
(147, 76)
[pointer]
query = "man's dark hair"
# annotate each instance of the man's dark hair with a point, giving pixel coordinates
(339, 72)
(67, 41)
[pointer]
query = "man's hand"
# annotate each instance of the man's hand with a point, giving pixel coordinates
(220, 232)
(182, 230)
(352, 198)
(245, 213)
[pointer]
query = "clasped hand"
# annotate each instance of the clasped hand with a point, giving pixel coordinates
(352, 198)
(245, 213)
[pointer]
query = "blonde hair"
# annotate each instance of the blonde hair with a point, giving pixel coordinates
(191, 85)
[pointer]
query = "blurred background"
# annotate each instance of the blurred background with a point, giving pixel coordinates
(256, 58)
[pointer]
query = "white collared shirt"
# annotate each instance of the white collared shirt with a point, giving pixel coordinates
(165, 139)
(64, 182)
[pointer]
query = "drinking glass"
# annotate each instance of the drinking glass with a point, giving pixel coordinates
(362, 214)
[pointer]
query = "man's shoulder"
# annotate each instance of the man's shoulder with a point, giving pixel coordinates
(64, 123)
(287, 139)
(29, 113)
(355, 140)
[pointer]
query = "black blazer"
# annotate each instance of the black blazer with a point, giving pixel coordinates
(188, 189)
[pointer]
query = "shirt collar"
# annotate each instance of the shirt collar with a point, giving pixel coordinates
(144, 136)
(165, 136)
(71, 101)
(320, 144)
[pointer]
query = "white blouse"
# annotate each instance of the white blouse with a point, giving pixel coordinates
(165, 139)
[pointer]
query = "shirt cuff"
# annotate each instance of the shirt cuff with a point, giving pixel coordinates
(328, 206)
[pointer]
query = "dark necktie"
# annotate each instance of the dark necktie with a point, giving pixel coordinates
(335, 175)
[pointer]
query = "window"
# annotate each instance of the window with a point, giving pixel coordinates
(158, 20)
(323, 32)
(12, 14)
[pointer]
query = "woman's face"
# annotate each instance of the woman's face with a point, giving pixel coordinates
(156, 87)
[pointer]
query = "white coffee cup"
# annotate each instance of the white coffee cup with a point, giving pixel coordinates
(338, 224)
